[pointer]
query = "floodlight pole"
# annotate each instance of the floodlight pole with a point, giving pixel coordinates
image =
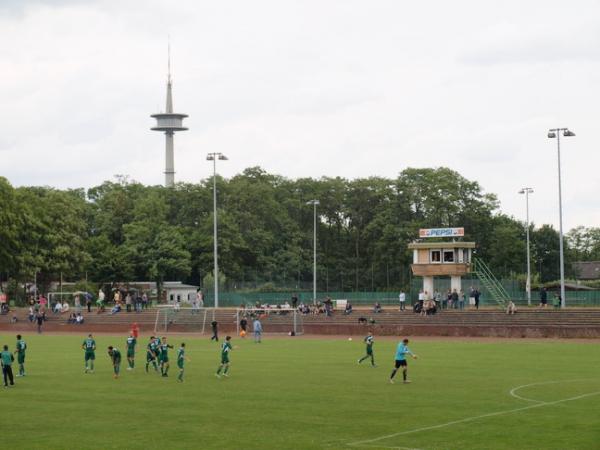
(213, 157)
(314, 203)
(555, 133)
(527, 191)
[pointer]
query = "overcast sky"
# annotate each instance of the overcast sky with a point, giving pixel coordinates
(307, 88)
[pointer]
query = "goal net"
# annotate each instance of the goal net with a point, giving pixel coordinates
(273, 320)
(171, 318)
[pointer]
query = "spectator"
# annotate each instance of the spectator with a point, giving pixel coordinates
(79, 319)
(475, 296)
(128, 302)
(72, 318)
(461, 300)
(116, 309)
(65, 307)
(137, 303)
(362, 320)
(511, 308)
(421, 296)
(556, 302)
(257, 326)
(177, 305)
(348, 309)
(57, 308)
(88, 301)
(31, 314)
(446, 301)
(77, 302)
(14, 319)
(40, 321)
(402, 298)
(543, 298)
(328, 307)
(377, 308)
(215, 330)
(145, 301)
(454, 299)
(294, 300)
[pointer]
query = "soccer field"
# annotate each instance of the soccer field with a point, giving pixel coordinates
(304, 393)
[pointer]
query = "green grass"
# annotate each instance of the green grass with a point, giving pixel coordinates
(300, 393)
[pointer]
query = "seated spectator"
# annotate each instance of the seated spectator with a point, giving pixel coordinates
(348, 309)
(14, 319)
(79, 319)
(511, 308)
(116, 309)
(65, 307)
(57, 308)
(429, 308)
(71, 318)
(377, 308)
(362, 320)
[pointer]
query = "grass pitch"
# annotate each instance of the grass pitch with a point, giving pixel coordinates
(302, 393)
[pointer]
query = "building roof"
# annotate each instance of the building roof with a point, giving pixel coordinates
(587, 270)
(426, 245)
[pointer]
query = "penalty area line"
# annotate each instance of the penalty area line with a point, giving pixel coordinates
(364, 443)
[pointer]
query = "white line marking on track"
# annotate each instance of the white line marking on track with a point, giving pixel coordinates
(366, 442)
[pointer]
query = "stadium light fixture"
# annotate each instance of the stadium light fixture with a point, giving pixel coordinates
(213, 157)
(554, 133)
(527, 191)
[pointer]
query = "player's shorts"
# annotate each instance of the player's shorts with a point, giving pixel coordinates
(369, 351)
(130, 353)
(90, 355)
(21, 358)
(150, 356)
(164, 359)
(180, 363)
(401, 363)
(225, 359)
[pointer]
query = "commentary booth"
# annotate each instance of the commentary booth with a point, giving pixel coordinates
(451, 257)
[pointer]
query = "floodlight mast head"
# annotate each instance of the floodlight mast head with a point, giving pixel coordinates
(554, 132)
(526, 190)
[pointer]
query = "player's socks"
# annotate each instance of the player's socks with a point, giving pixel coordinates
(219, 370)
(180, 377)
(147, 364)
(226, 370)
(92, 366)
(404, 375)
(393, 374)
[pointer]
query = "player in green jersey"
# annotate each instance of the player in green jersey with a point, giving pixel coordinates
(151, 354)
(131, 342)
(89, 346)
(181, 360)
(20, 351)
(164, 357)
(225, 349)
(115, 357)
(369, 340)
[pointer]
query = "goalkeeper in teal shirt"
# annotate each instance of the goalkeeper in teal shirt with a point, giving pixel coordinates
(401, 351)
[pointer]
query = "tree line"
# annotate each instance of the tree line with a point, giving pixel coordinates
(122, 230)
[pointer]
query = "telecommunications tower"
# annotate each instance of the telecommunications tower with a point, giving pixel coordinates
(169, 122)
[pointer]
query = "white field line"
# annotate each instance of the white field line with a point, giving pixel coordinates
(364, 443)
(513, 391)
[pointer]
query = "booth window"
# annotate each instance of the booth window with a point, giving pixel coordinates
(436, 256)
(448, 256)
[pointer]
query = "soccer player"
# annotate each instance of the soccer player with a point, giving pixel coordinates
(89, 346)
(115, 357)
(225, 349)
(164, 357)
(131, 342)
(401, 352)
(20, 351)
(257, 330)
(7, 358)
(151, 354)
(369, 340)
(181, 360)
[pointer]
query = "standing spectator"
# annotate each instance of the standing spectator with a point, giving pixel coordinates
(476, 295)
(243, 326)
(77, 303)
(128, 302)
(88, 301)
(402, 298)
(200, 298)
(7, 359)
(454, 299)
(100, 301)
(257, 330)
(31, 314)
(543, 298)
(137, 303)
(215, 330)
(145, 301)
(461, 300)
(557, 301)
(377, 308)
(511, 308)
(421, 296)
(294, 300)
(348, 309)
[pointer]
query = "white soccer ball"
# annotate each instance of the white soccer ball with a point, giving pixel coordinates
(349, 339)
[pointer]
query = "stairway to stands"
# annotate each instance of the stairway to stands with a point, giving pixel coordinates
(490, 282)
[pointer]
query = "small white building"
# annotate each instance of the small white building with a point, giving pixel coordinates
(176, 290)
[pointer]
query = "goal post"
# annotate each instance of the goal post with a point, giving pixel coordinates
(273, 320)
(170, 316)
